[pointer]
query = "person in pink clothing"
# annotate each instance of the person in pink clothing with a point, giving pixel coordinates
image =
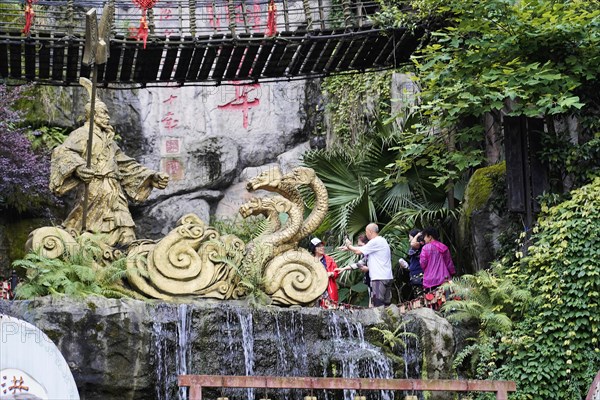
(435, 260)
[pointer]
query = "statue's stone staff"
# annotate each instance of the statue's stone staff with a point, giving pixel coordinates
(96, 51)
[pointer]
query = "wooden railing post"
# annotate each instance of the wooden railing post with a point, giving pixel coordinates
(197, 382)
(195, 393)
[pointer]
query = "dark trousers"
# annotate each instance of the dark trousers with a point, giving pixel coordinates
(381, 292)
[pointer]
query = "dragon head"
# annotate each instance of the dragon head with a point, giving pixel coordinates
(251, 207)
(268, 178)
(265, 205)
(300, 176)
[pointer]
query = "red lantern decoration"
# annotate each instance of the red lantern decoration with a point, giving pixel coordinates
(144, 5)
(29, 13)
(271, 19)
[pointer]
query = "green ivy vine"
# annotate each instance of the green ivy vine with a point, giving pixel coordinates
(355, 100)
(554, 351)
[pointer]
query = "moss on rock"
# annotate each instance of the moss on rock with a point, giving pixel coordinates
(481, 193)
(479, 188)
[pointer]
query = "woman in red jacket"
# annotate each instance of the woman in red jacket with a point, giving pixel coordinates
(330, 297)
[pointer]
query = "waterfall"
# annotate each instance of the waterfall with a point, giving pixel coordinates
(412, 357)
(277, 342)
(366, 361)
(160, 358)
(246, 326)
(292, 353)
(291, 346)
(171, 331)
(183, 344)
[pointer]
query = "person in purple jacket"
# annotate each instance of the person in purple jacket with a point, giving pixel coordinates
(435, 260)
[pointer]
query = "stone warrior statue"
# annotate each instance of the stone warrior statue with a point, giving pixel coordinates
(113, 178)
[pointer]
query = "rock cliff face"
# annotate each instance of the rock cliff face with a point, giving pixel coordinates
(121, 349)
(205, 138)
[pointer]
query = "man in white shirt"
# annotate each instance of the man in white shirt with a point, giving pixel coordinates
(379, 263)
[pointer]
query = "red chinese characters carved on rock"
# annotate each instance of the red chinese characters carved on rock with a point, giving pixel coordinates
(170, 100)
(165, 14)
(174, 168)
(172, 146)
(242, 101)
(169, 122)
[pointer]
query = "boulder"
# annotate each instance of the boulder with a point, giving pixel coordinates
(134, 349)
(484, 219)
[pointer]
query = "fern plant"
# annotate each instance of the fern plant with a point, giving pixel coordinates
(251, 274)
(490, 300)
(392, 341)
(77, 273)
(47, 137)
(250, 270)
(244, 228)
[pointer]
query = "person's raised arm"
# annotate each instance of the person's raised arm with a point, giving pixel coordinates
(355, 249)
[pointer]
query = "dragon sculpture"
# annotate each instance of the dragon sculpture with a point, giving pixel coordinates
(196, 260)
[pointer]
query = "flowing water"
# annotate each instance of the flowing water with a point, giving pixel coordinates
(245, 323)
(366, 361)
(183, 344)
(164, 359)
(161, 361)
(276, 343)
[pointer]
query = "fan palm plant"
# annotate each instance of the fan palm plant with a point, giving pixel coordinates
(365, 185)
(363, 189)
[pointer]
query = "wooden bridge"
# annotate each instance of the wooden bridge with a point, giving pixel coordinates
(195, 42)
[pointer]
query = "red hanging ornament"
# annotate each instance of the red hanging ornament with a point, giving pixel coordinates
(142, 33)
(271, 19)
(144, 5)
(29, 13)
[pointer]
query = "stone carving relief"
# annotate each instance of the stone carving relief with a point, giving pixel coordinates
(193, 259)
